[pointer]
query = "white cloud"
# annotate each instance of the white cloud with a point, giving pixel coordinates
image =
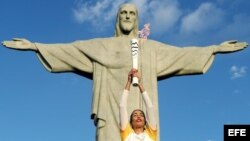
(167, 18)
(100, 12)
(207, 16)
(238, 72)
(162, 15)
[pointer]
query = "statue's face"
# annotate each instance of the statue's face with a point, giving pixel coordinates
(127, 17)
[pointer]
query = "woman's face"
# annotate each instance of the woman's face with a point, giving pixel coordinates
(138, 119)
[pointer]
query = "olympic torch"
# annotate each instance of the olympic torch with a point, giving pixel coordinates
(134, 51)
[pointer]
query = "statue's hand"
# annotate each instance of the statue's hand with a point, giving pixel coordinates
(21, 44)
(230, 46)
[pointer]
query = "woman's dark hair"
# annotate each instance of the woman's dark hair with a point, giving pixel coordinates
(131, 117)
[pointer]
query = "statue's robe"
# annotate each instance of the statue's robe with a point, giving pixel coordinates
(109, 61)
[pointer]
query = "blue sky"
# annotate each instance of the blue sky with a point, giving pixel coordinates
(36, 105)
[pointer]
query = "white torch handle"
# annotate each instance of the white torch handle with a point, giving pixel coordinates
(134, 51)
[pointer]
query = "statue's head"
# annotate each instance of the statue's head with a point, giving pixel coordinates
(127, 21)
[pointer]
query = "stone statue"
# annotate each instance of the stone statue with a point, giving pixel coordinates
(107, 60)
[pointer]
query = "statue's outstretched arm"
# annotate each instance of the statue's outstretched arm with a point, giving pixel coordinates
(230, 46)
(20, 44)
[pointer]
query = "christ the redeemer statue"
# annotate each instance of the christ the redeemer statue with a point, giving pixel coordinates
(108, 60)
